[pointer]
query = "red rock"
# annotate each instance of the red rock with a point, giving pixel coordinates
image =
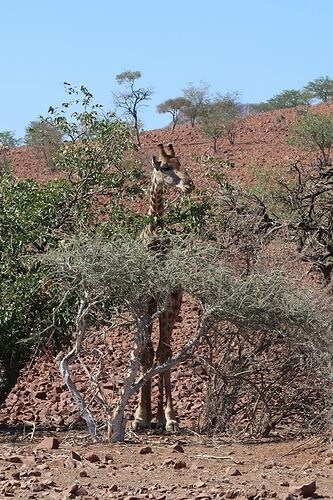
(232, 471)
(34, 473)
(284, 483)
(40, 395)
(92, 457)
(81, 492)
(231, 494)
(108, 457)
(145, 450)
(75, 456)
(178, 447)
(306, 490)
(15, 459)
(49, 443)
(180, 464)
(251, 493)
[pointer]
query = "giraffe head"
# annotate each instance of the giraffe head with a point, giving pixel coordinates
(168, 171)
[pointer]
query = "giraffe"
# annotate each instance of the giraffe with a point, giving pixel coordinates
(166, 171)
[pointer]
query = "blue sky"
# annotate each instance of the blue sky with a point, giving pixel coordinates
(257, 47)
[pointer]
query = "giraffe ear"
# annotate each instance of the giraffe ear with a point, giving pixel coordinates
(155, 163)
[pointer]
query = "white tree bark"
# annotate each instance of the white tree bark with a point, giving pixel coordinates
(131, 385)
(70, 357)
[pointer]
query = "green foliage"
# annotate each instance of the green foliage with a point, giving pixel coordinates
(221, 116)
(128, 77)
(7, 138)
(313, 131)
(321, 89)
(45, 139)
(38, 217)
(174, 107)
(197, 97)
(287, 99)
(127, 271)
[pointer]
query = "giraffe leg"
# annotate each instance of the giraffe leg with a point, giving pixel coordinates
(167, 418)
(143, 414)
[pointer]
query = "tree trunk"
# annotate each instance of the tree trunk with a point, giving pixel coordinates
(137, 131)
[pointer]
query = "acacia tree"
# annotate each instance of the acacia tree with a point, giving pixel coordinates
(321, 89)
(313, 131)
(221, 116)
(197, 99)
(174, 107)
(287, 99)
(45, 138)
(125, 271)
(8, 139)
(132, 99)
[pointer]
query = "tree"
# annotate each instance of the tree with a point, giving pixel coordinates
(132, 99)
(321, 89)
(44, 138)
(37, 217)
(313, 131)
(287, 99)
(125, 271)
(221, 116)
(174, 107)
(197, 99)
(7, 138)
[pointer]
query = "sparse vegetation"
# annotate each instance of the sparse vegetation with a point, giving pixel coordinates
(175, 107)
(321, 89)
(132, 99)
(8, 139)
(197, 97)
(45, 139)
(313, 131)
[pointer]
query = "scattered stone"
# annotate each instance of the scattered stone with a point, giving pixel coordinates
(75, 456)
(41, 395)
(34, 473)
(83, 473)
(180, 464)
(200, 484)
(49, 443)
(145, 450)
(81, 492)
(113, 487)
(108, 457)
(178, 448)
(93, 458)
(306, 490)
(14, 459)
(285, 483)
(231, 494)
(251, 493)
(232, 471)
(29, 460)
(328, 461)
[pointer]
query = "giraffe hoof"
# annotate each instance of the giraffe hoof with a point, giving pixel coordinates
(172, 426)
(139, 425)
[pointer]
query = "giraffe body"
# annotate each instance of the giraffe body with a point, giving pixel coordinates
(166, 171)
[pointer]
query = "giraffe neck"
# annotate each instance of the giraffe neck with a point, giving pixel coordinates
(156, 206)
